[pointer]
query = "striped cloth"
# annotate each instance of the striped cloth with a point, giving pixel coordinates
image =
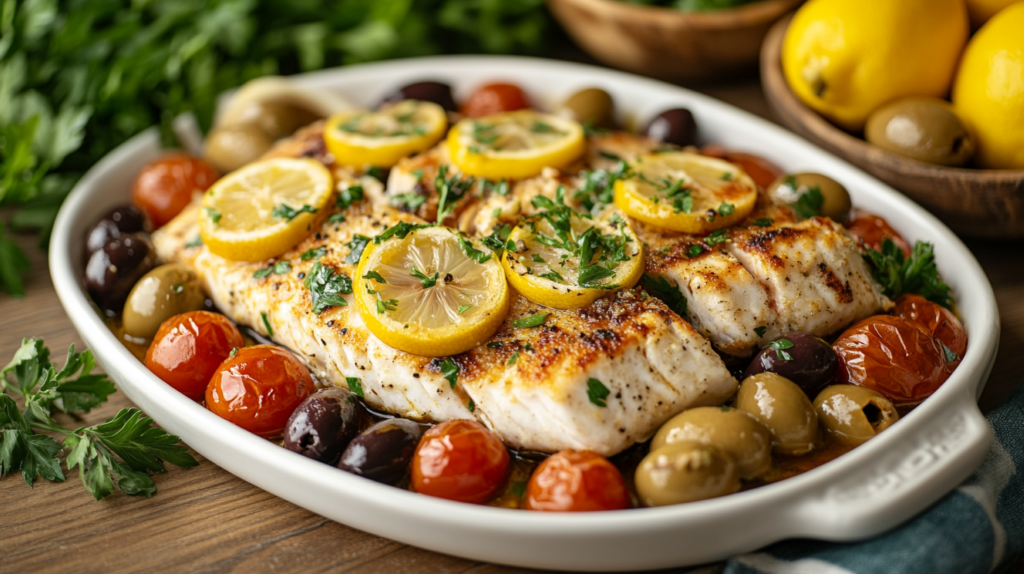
(978, 528)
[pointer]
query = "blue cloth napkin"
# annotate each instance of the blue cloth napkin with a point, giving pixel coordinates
(978, 528)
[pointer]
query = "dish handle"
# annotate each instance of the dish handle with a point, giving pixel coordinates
(913, 474)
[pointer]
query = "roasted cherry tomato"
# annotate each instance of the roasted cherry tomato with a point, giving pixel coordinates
(163, 188)
(892, 356)
(871, 229)
(762, 171)
(938, 321)
(188, 348)
(575, 481)
(259, 388)
(494, 99)
(460, 460)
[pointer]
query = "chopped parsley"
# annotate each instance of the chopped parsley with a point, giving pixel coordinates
(598, 187)
(356, 247)
(399, 230)
(518, 488)
(348, 196)
(450, 371)
(694, 250)
(544, 128)
(449, 191)
(314, 253)
(178, 288)
(500, 187)
(409, 201)
(531, 321)
(425, 280)
(780, 346)
(375, 276)
(289, 213)
(213, 214)
(472, 252)
(916, 274)
(513, 359)
(463, 308)
(385, 306)
(597, 392)
(496, 240)
(948, 353)
(552, 275)
(266, 323)
(809, 203)
(726, 209)
(326, 287)
(356, 386)
(471, 406)
(196, 241)
(762, 222)
(727, 176)
(717, 236)
(280, 268)
(336, 218)
(760, 331)
(376, 173)
(669, 294)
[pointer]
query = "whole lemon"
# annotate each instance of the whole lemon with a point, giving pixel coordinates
(981, 10)
(989, 91)
(844, 58)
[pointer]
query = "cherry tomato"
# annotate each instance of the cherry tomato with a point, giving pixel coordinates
(259, 388)
(188, 348)
(576, 481)
(892, 356)
(938, 321)
(494, 99)
(762, 171)
(871, 229)
(460, 460)
(163, 188)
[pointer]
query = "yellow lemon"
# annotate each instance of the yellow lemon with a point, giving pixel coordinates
(989, 90)
(981, 10)
(429, 291)
(264, 208)
(380, 138)
(844, 58)
(514, 145)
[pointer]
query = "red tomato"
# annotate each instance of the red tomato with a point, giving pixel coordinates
(892, 356)
(188, 348)
(938, 321)
(494, 99)
(460, 460)
(258, 389)
(576, 481)
(872, 229)
(163, 188)
(762, 171)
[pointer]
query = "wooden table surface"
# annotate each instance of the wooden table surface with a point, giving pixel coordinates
(207, 520)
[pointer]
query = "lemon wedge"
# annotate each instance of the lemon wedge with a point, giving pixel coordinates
(563, 259)
(264, 208)
(429, 291)
(686, 192)
(380, 138)
(514, 145)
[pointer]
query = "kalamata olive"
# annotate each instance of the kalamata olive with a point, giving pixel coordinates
(117, 222)
(685, 472)
(162, 293)
(675, 126)
(590, 107)
(801, 357)
(835, 200)
(851, 415)
(440, 94)
(383, 452)
(323, 425)
(925, 129)
(784, 408)
(230, 147)
(276, 119)
(735, 432)
(112, 271)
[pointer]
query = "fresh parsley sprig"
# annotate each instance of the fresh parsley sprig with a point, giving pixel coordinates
(917, 274)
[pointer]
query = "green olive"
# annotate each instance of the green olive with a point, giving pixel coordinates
(162, 293)
(591, 106)
(783, 407)
(835, 202)
(230, 147)
(735, 432)
(685, 472)
(276, 119)
(851, 415)
(925, 129)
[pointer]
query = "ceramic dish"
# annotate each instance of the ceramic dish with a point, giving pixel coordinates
(873, 488)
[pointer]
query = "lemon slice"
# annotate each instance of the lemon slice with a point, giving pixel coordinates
(380, 138)
(428, 291)
(265, 208)
(566, 260)
(686, 192)
(514, 145)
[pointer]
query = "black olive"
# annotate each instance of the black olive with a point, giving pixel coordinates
(811, 362)
(120, 220)
(383, 452)
(323, 425)
(112, 271)
(440, 94)
(675, 126)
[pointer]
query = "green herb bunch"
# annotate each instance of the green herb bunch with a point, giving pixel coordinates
(125, 448)
(79, 77)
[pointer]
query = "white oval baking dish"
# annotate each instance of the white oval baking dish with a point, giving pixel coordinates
(863, 493)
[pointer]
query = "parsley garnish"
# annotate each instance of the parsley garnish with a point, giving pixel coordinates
(355, 385)
(314, 253)
(289, 213)
(917, 274)
(409, 201)
(348, 196)
(552, 275)
(356, 247)
(326, 287)
(178, 288)
(513, 359)
(762, 222)
(760, 331)
(597, 392)
(496, 240)
(726, 209)
(450, 371)
(336, 218)
(399, 230)
(471, 406)
(385, 306)
(375, 276)
(727, 176)
(518, 488)
(694, 250)
(591, 274)
(472, 252)
(531, 321)
(948, 353)
(376, 173)
(425, 280)
(463, 308)
(598, 188)
(717, 236)
(196, 241)
(543, 128)
(266, 323)
(668, 293)
(213, 214)
(809, 204)
(779, 345)
(450, 190)
(280, 268)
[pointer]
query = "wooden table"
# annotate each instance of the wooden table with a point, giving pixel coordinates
(207, 520)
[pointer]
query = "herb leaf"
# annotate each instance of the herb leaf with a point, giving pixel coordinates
(809, 204)
(356, 247)
(496, 240)
(288, 213)
(531, 321)
(425, 280)
(779, 347)
(597, 392)
(314, 253)
(669, 294)
(326, 287)
(375, 276)
(472, 252)
(387, 305)
(916, 274)
(348, 196)
(356, 386)
(450, 371)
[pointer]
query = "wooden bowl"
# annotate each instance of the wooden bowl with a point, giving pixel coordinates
(985, 203)
(667, 43)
